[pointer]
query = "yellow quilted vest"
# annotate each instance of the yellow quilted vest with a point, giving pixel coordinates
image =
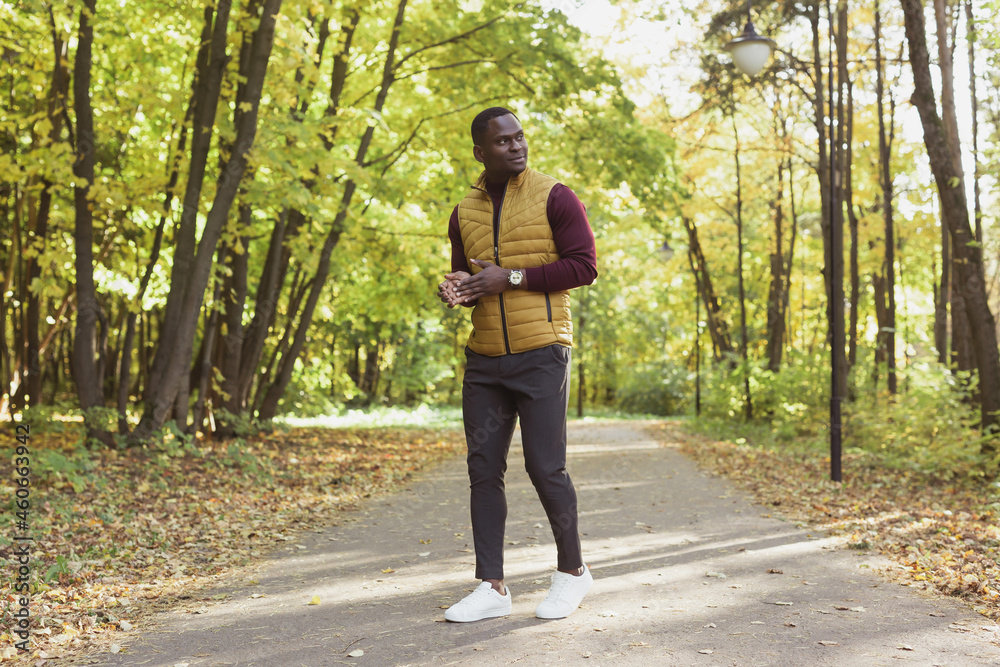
(517, 320)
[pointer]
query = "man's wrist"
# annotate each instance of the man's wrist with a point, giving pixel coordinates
(515, 278)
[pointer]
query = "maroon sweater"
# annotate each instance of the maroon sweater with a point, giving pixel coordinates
(574, 239)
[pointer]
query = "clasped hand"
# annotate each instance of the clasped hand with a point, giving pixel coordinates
(460, 287)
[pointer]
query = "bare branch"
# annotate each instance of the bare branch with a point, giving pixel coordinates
(450, 40)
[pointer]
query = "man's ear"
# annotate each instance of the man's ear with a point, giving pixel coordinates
(477, 153)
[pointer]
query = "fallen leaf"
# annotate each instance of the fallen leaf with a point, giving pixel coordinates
(388, 570)
(706, 651)
(710, 625)
(774, 571)
(784, 604)
(125, 625)
(357, 653)
(827, 643)
(315, 600)
(904, 647)
(717, 575)
(859, 609)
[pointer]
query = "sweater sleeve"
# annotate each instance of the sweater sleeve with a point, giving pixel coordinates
(574, 239)
(458, 260)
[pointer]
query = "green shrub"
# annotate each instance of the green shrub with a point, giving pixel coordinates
(662, 390)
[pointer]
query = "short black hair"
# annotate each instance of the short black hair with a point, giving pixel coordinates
(482, 121)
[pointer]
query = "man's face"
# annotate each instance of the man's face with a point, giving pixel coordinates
(504, 150)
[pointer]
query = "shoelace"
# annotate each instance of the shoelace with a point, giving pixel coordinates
(559, 585)
(476, 594)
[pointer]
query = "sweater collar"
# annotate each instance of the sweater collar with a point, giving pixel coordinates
(514, 181)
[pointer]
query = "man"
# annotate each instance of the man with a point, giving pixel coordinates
(520, 241)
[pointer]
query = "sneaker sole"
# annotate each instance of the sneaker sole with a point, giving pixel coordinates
(481, 618)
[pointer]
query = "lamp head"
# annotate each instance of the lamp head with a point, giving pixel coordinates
(750, 51)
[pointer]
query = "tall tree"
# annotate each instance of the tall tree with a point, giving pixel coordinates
(968, 254)
(961, 346)
(744, 341)
(886, 289)
(971, 32)
(88, 351)
(162, 396)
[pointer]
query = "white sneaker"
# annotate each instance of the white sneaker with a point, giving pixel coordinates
(484, 602)
(565, 595)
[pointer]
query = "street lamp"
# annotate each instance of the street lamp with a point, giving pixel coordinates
(750, 51)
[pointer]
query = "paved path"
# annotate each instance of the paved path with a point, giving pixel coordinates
(653, 526)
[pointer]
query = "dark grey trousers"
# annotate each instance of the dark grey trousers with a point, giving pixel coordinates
(534, 386)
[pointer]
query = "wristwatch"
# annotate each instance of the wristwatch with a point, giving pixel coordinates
(515, 278)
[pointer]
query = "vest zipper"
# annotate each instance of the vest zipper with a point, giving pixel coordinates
(496, 259)
(548, 307)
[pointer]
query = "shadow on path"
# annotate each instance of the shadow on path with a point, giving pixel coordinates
(687, 572)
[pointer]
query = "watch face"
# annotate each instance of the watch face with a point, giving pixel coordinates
(515, 278)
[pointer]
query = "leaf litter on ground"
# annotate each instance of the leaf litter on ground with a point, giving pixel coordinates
(158, 525)
(942, 534)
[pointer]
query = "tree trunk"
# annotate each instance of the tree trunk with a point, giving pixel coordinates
(234, 296)
(125, 366)
(968, 254)
(837, 160)
(205, 368)
(745, 343)
(971, 36)
(722, 345)
(961, 346)
(269, 405)
(820, 122)
(776, 298)
(58, 93)
(852, 222)
(278, 255)
(87, 365)
(887, 328)
(791, 252)
(210, 66)
(181, 345)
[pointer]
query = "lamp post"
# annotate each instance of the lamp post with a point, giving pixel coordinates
(836, 296)
(750, 52)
